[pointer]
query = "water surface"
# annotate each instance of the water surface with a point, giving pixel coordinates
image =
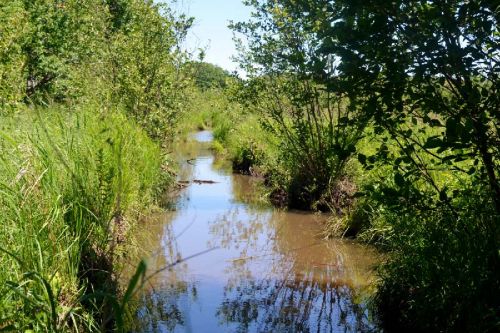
(240, 265)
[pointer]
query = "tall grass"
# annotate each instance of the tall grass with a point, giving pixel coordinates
(71, 183)
(203, 110)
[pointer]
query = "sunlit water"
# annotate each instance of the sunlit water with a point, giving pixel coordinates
(242, 266)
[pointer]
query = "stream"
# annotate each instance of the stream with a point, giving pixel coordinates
(224, 260)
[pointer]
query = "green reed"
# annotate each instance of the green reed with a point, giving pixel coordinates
(72, 182)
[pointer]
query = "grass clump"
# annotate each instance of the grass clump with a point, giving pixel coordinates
(71, 182)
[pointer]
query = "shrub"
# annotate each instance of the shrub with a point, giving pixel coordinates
(443, 274)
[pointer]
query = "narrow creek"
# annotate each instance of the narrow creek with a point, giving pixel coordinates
(244, 266)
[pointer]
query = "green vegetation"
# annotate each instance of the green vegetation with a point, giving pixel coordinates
(121, 53)
(208, 76)
(89, 94)
(71, 185)
(386, 113)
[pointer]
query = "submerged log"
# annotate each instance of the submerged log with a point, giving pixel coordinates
(196, 181)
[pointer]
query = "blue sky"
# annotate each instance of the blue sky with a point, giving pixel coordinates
(210, 28)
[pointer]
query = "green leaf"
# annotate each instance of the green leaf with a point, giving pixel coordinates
(362, 159)
(134, 282)
(433, 142)
(399, 180)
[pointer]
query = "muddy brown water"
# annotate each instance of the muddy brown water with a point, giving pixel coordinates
(242, 266)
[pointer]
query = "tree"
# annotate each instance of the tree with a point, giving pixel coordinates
(207, 76)
(145, 64)
(317, 128)
(434, 63)
(61, 37)
(44, 44)
(110, 53)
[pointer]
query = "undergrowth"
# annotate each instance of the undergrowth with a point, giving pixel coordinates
(71, 184)
(438, 270)
(442, 261)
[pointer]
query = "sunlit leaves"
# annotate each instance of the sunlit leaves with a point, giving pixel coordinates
(13, 26)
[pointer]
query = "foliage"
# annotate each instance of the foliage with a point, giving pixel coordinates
(208, 76)
(422, 80)
(59, 39)
(204, 108)
(440, 272)
(318, 130)
(441, 75)
(70, 182)
(101, 78)
(111, 52)
(146, 65)
(13, 24)
(250, 148)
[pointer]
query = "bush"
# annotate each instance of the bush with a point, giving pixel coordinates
(443, 273)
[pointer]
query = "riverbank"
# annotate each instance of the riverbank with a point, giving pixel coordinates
(73, 183)
(402, 218)
(90, 94)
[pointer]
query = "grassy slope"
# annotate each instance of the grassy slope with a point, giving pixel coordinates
(70, 183)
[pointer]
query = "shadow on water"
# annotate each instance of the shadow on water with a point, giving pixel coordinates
(266, 270)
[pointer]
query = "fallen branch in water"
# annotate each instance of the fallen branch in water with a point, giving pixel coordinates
(196, 181)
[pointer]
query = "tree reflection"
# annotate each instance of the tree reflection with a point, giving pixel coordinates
(302, 284)
(161, 311)
(298, 303)
(164, 300)
(272, 274)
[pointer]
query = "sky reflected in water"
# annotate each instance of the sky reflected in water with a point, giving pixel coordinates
(265, 270)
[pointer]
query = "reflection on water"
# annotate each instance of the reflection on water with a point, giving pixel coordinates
(265, 270)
